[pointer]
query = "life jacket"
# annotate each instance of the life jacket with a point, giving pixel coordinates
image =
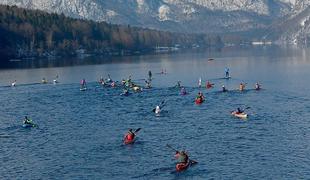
(130, 136)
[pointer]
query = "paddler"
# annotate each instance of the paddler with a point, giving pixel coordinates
(241, 86)
(157, 110)
(109, 78)
(13, 83)
(182, 157)
(183, 91)
(239, 111)
(224, 89)
(226, 72)
(27, 121)
(130, 135)
(150, 75)
(200, 96)
(83, 83)
(178, 85)
(209, 85)
(257, 86)
(44, 81)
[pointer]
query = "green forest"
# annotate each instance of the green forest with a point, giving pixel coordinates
(33, 33)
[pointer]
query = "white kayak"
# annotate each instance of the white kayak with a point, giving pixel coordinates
(83, 89)
(239, 115)
(29, 125)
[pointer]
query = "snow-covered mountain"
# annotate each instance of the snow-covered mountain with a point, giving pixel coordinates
(173, 15)
(198, 16)
(294, 28)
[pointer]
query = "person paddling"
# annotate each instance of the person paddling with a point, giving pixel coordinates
(181, 156)
(150, 75)
(109, 78)
(200, 96)
(130, 136)
(183, 91)
(44, 81)
(178, 85)
(239, 111)
(227, 72)
(13, 83)
(28, 121)
(224, 89)
(83, 83)
(148, 84)
(209, 85)
(241, 86)
(257, 86)
(157, 110)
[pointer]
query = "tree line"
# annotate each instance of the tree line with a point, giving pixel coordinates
(34, 33)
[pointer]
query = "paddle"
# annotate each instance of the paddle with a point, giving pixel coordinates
(137, 130)
(171, 148)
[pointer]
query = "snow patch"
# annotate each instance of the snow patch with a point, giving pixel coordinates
(163, 12)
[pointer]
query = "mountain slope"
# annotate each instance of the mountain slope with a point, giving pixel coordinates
(173, 15)
(293, 28)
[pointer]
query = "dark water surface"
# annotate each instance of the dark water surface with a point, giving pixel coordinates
(80, 133)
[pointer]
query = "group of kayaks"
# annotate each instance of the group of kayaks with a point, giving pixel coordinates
(131, 136)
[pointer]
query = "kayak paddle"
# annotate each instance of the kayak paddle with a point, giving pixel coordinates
(171, 148)
(137, 130)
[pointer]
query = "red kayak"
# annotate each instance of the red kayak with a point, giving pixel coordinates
(183, 166)
(129, 139)
(199, 101)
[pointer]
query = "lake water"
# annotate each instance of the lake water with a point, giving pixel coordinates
(80, 133)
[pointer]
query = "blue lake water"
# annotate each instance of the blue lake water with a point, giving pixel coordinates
(80, 133)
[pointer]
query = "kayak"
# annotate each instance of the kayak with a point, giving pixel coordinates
(209, 86)
(29, 125)
(239, 115)
(199, 101)
(83, 89)
(183, 166)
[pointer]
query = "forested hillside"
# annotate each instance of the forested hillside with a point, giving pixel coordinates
(33, 33)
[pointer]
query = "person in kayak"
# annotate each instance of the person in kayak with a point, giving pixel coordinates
(200, 96)
(226, 72)
(130, 135)
(13, 83)
(257, 86)
(157, 110)
(83, 83)
(150, 75)
(44, 81)
(178, 85)
(209, 85)
(224, 89)
(239, 111)
(56, 79)
(27, 121)
(241, 86)
(148, 84)
(101, 80)
(109, 78)
(182, 157)
(183, 91)
(125, 92)
(199, 82)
